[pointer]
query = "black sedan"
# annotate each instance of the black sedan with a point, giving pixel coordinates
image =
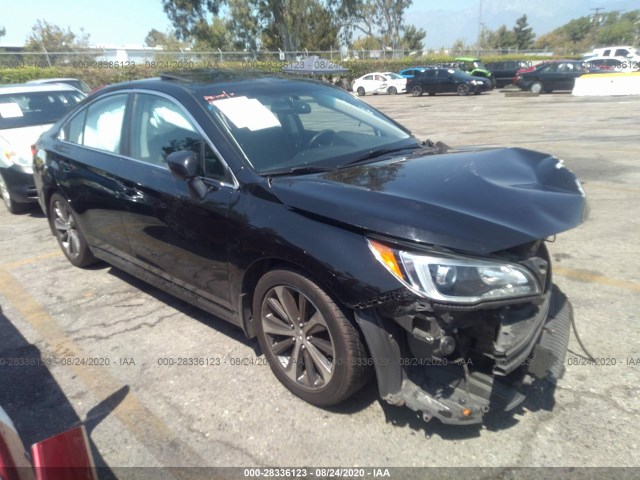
(446, 80)
(550, 76)
(312, 221)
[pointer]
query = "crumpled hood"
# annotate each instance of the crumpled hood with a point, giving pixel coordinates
(474, 201)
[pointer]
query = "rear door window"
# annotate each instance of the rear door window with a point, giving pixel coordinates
(103, 123)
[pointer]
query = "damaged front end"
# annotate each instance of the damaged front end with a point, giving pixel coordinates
(469, 334)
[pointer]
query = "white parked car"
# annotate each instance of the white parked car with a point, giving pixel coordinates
(377, 82)
(26, 111)
(613, 64)
(631, 54)
(74, 82)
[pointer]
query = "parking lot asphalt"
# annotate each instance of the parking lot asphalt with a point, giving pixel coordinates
(99, 346)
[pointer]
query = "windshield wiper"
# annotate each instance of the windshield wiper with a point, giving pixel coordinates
(378, 152)
(302, 170)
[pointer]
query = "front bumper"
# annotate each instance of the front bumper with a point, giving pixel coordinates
(461, 392)
(19, 181)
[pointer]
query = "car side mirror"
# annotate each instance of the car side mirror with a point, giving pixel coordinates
(185, 165)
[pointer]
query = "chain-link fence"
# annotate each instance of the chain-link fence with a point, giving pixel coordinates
(124, 57)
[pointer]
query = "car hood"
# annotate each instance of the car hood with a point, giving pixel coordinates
(473, 201)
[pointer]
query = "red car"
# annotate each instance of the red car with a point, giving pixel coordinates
(65, 456)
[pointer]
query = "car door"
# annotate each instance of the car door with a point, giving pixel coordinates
(428, 81)
(570, 71)
(86, 157)
(445, 82)
(173, 232)
(382, 83)
(368, 83)
(551, 76)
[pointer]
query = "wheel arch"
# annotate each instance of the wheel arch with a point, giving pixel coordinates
(260, 267)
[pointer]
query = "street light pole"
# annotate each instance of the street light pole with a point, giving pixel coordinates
(479, 27)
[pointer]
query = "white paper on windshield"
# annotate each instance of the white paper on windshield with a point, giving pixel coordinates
(247, 113)
(10, 110)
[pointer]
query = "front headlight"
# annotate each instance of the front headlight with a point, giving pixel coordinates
(12, 157)
(456, 279)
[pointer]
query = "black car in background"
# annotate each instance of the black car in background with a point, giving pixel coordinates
(325, 229)
(553, 75)
(504, 72)
(446, 80)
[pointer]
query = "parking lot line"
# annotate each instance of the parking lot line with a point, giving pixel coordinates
(150, 430)
(585, 276)
(31, 260)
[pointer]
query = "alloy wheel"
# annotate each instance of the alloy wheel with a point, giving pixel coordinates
(298, 337)
(66, 229)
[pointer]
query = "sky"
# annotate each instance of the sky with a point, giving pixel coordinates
(119, 22)
(127, 22)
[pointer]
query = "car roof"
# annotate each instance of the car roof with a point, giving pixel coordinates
(52, 80)
(204, 82)
(34, 88)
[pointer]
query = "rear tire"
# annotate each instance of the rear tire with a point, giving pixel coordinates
(312, 348)
(536, 87)
(67, 231)
(360, 91)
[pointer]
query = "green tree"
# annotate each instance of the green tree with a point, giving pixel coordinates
(584, 33)
(307, 22)
(168, 41)
(413, 38)
(290, 25)
(500, 38)
(523, 33)
(458, 46)
(618, 28)
(366, 42)
(213, 36)
(49, 38)
(378, 18)
(243, 25)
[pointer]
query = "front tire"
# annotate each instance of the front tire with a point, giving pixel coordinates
(416, 90)
(463, 89)
(360, 91)
(67, 231)
(392, 91)
(312, 348)
(13, 206)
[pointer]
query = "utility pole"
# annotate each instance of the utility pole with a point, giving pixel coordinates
(596, 17)
(479, 24)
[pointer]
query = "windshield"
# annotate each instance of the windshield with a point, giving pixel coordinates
(297, 124)
(35, 108)
(394, 76)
